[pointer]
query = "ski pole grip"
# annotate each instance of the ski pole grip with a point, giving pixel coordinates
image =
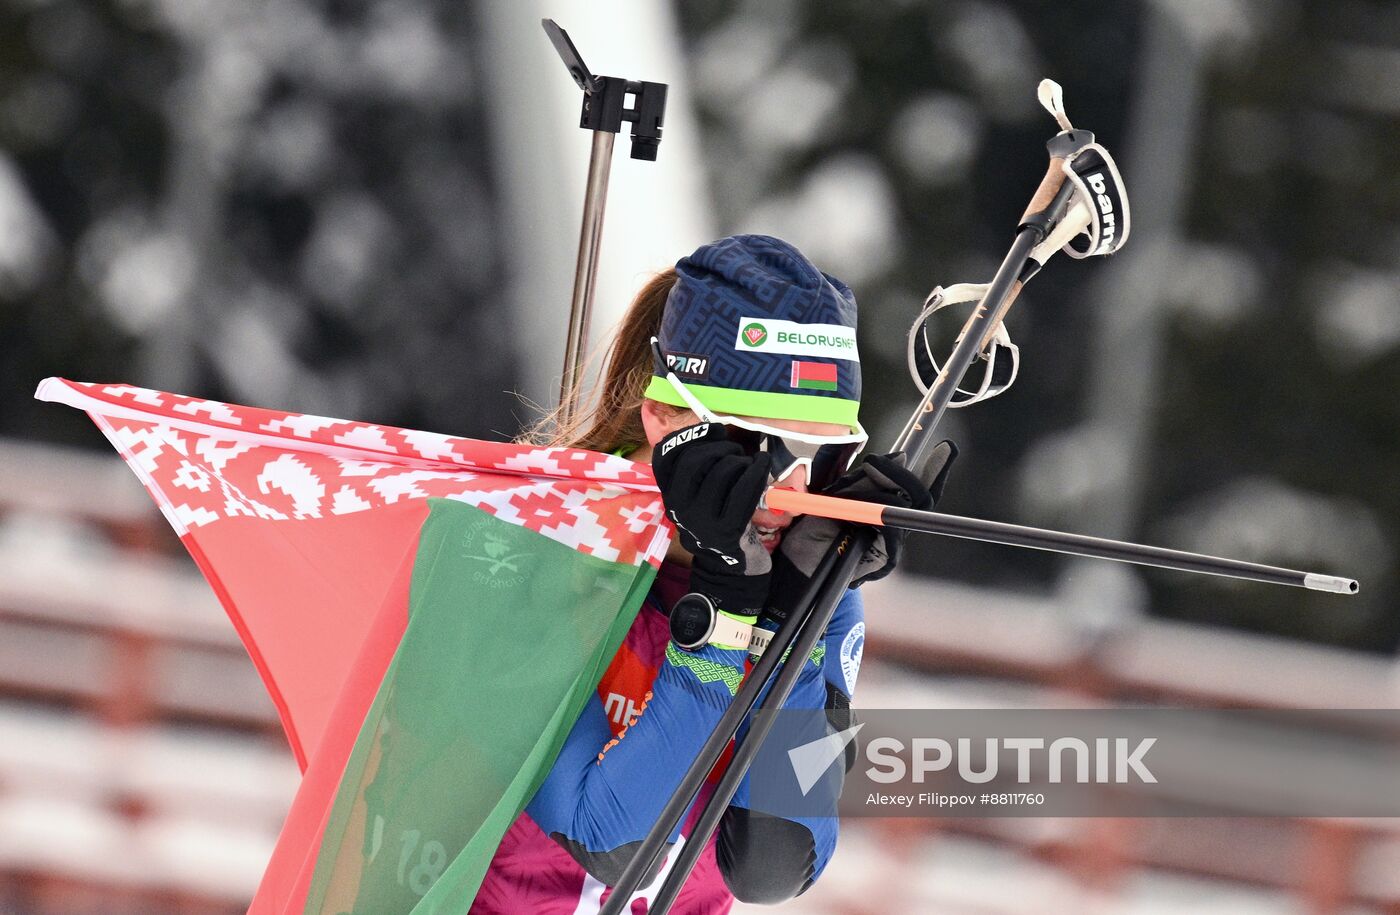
(1049, 186)
(807, 503)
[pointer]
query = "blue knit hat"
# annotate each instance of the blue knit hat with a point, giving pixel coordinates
(752, 328)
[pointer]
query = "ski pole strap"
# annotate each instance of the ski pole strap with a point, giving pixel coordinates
(1001, 357)
(1093, 218)
(1097, 203)
(1097, 182)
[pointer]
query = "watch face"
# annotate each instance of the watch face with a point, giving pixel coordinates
(692, 620)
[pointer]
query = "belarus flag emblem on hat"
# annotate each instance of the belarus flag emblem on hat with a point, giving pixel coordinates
(813, 376)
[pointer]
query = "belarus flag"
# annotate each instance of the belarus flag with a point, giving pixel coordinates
(428, 613)
(813, 376)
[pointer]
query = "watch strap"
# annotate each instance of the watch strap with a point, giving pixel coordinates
(733, 632)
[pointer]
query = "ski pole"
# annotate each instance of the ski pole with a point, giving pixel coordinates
(1041, 222)
(644, 859)
(1036, 538)
(846, 554)
(917, 441)
(831, 580)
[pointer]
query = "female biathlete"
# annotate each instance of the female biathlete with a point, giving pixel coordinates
(735, 371)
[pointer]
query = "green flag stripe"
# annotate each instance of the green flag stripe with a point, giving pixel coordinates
(508, 635)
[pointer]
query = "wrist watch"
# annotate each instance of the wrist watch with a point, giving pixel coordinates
(697, 622)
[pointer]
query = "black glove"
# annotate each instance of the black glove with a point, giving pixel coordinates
(711, 489)
(879, 478)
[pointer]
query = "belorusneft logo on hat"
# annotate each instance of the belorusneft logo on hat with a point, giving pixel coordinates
(767, 335)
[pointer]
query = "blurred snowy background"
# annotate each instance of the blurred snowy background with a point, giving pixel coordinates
(370, 209)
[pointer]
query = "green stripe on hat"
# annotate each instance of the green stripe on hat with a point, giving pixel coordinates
(762, 404)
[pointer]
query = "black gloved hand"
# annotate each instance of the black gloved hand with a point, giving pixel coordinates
(879, 478)
(711, 490)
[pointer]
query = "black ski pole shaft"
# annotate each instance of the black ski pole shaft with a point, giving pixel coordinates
(639, 869)
(849, 555)
(1036, 538)
(916, 440)
(1001, 293)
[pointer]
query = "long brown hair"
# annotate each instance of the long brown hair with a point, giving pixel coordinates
(611, 418)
